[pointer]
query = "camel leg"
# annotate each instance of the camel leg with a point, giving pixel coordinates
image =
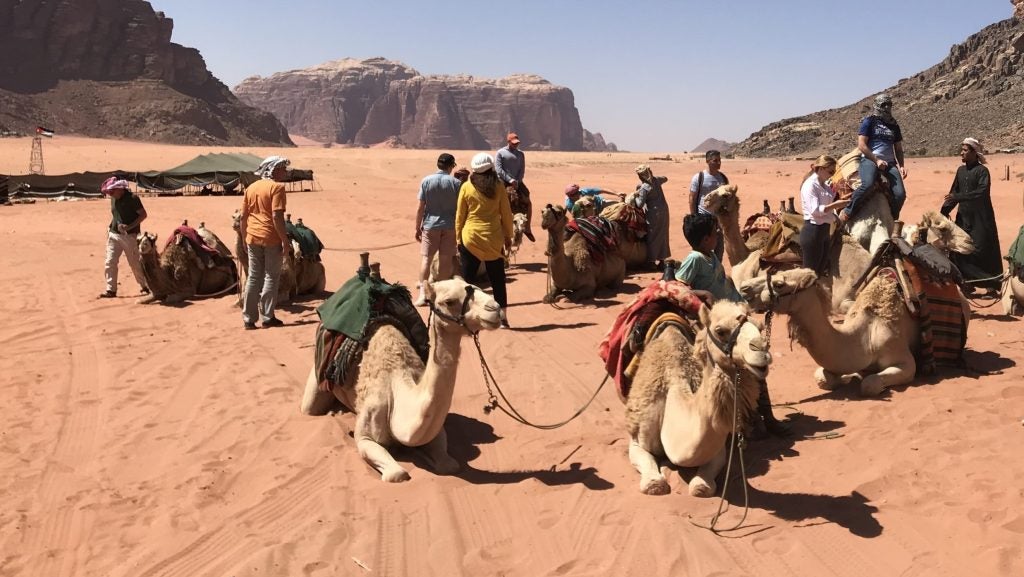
(436, 452)
(552, 295)
(899, 373)
(314, 401)
(652, 482)
(826, 380)
(377, 456)
(583, 293)
(703, 483)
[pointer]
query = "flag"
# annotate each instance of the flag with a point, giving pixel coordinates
(44, 132)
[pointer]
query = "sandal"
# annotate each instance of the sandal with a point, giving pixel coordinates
(108, 295)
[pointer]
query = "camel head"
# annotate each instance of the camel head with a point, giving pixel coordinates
(587, 206)
(723, 200)
(552, 216)
(943, 233)
(458, 304)
(761, 295)
(731, 339)
(147, 244)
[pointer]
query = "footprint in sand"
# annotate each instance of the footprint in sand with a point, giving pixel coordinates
(1017, 525)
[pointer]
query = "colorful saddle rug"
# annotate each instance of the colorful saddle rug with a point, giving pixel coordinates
(941, 316)
(598, 233)
(628, 334)
(197, 242)
(760, 222)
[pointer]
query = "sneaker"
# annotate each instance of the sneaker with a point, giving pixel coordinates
(529, 234)
(274, 322)
(108, 295)
(249, 326)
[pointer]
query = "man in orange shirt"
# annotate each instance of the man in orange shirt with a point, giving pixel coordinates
(266, 238)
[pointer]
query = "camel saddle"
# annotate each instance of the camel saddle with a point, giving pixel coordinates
(783, 248)
(350, 317)
(309, 243)
(597, 231)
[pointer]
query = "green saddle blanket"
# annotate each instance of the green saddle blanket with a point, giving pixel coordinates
(309, 242)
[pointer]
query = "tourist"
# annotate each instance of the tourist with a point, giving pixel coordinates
(573, 193)
(122, 236)
(483, 227)
(510, 164)
(266, 239)
(702, 270)
(971, 195)
(819, 204)
(704, 182)
(435, 222)
(880, 141)
(651, 198)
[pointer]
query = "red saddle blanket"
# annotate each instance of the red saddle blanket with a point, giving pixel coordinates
(618, 348)
(194, 239)
(598, 233)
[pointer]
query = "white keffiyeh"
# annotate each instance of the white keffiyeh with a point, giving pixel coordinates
(268, 165)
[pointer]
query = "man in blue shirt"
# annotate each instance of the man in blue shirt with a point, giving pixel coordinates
(435, 221)
(573, 193)
(510, 164)
(880, 141)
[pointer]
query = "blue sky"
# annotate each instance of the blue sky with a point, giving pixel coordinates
(650, 75)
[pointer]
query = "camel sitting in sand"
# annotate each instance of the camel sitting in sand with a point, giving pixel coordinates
(630, 244)
(877, 340)
(682, 401)
(397, 399)
(571, 266)
(1013, 296)
(300, 274)
(179, 274)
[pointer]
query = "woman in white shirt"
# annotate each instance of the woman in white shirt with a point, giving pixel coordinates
(819, 204)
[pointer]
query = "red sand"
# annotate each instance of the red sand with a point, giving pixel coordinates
(151, 440)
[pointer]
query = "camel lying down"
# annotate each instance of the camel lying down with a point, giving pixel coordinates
(397, 399)
(681, 403)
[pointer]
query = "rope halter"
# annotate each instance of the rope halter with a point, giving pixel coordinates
(459, 320)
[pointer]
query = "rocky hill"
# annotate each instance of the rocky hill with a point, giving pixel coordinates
(373, 101)
(978, 90)
(108, 68)
(714, 144)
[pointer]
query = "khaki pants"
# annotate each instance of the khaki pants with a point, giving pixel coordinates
(127, 244)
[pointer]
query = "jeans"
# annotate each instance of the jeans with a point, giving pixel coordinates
(868, 175)
(127, 244)
(495, 272)
(814, 245)
(261, 286)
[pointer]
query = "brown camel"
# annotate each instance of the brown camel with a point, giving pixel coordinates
(682, 404)
(397, 399)
(877, 340)
(631, 246)
(179, 274)
(287, 282)
(570, 264)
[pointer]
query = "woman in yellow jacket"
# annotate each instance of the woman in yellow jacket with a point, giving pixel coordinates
(483, 227)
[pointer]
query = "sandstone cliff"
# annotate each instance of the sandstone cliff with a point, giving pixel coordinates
(108, 68)
(978, 90)
(377, 101)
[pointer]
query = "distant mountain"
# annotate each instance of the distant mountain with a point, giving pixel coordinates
(109, 69)
(714, 144)
(978, 90)
(374, 101)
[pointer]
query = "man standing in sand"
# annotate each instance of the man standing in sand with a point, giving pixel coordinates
(435, 222)
(704, 182)
(880, 141)
(266, 239)
(510, 164)
(122, 234)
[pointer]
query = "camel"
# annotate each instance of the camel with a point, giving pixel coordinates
(397, 399)
(681, 403)
(518, 227)
(877, 340)
(1013, 296)
(179, 274)
(632, 248)
(299, 275)
(570, 264)
(849, 257)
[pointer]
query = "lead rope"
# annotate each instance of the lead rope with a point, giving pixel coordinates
(492, 400)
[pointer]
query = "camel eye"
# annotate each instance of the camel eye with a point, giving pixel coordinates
(720, 332)
(450, 302)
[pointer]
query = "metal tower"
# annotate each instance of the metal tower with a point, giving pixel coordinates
(35, 164)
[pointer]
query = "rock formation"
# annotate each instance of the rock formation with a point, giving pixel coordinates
(976, 91)
(108, 68)
(376, 101)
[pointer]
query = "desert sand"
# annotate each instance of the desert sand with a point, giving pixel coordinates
(152, 441)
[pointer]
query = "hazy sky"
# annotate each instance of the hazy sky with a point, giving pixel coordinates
(648, 75)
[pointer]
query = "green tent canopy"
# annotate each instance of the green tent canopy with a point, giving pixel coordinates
(225, 169)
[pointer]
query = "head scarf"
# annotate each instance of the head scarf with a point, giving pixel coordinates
(572, 189)
(883, 107)
(976, 146)
(266, 169)
(113, 183)
(644, 172)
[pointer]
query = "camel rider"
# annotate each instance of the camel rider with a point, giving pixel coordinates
(573, 193)
(122, 235)
(880, 141)
(510, 164)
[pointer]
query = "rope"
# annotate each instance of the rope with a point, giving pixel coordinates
(220, 292)
(371, 249)
(492, 400)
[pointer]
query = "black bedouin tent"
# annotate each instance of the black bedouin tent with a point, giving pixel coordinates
(228, 171)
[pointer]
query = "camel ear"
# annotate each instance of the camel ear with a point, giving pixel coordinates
(705, 315)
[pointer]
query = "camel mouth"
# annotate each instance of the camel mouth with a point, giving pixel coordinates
(758, 372)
